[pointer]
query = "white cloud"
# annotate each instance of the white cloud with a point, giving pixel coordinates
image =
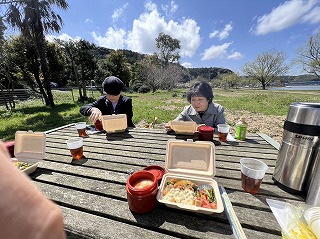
(214, 52)
(150, 6)
(63, 37)
(224, 33)
(288, 14)
(88, 20)
(313, 16)
(213, 34)
(186, 64)
(118, 12)
(235, 56)
(148, 26)
(113, 39)
(170, 9)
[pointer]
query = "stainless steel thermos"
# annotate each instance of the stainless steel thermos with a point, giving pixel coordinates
(297, 157)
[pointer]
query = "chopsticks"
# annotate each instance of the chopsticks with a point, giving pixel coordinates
(232, 217)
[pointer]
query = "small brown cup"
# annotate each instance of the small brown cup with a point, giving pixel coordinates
(75, 145)
(81, 128)
(98, 125)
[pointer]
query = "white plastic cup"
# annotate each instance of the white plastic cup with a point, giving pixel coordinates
(223, 130)
(81, 127)
(75, 145)
(312, 216)
(252, 173)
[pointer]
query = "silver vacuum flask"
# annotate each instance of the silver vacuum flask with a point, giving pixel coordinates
(295, 163)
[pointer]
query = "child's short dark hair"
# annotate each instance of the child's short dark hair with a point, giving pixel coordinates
(112, 85)
(201, 88)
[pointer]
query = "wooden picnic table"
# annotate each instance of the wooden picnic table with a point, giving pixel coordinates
(92, 195)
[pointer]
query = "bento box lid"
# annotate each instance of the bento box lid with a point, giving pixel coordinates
(114, 123)
(30, 146)
(183, 127)
(191, 158)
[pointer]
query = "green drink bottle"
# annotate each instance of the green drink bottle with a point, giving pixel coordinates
(241, 129)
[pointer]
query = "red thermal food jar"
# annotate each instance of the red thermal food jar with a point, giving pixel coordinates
(205, 133)
(142, 199)
(157, 171)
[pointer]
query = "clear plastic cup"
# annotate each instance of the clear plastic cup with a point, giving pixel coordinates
(223, 130)
(252, 173)
(75, 145)
(81, 127)
(312, 216)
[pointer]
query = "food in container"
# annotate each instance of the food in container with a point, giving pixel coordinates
(191, 164)
(187, 192)
(29, 150)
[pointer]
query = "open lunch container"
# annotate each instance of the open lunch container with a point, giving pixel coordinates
(194, 161)
(114, 123)
(29, 148)
(183, 127)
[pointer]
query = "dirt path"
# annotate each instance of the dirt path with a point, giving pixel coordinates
(258, 123)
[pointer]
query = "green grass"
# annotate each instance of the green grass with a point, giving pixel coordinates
(264, 101)
(33, 115)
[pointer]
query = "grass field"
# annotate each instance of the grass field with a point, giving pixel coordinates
(33, 115)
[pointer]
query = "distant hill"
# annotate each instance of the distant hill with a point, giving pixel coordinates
(208, 72)
(132, 57)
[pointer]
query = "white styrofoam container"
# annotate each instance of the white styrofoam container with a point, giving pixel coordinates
(194, 161)
(114, 123)
(183, 127)
(29, 148)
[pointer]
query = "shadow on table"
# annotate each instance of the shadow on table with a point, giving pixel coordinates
(39, 172)
(118, 136)
(81, 161)
(215, 223)
(252, 141)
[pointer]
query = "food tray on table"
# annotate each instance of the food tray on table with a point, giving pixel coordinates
(183, 127)
(29, 150)
(190, 168)
(114, 123)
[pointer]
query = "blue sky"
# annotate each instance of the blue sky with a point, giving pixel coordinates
(225, 33)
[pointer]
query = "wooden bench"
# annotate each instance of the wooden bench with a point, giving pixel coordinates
(18, 94)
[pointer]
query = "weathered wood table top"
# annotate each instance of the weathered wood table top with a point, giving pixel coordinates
(91, 192)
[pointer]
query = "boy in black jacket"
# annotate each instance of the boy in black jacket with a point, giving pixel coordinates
(111, 103)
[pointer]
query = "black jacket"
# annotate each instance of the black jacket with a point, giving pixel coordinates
(124, 106)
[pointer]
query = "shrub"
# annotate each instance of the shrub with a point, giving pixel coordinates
(144, 89)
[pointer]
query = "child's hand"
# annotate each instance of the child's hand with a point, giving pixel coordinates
(95, 115)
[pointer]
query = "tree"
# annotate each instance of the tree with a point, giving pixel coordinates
(231, 80)
(118, 66)
(34, 18)
(86, 63)
(266, 67)
(168, 48)
(309, 56)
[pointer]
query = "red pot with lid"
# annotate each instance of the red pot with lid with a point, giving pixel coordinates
(205, 133)
(157, 171)
(142, 189)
